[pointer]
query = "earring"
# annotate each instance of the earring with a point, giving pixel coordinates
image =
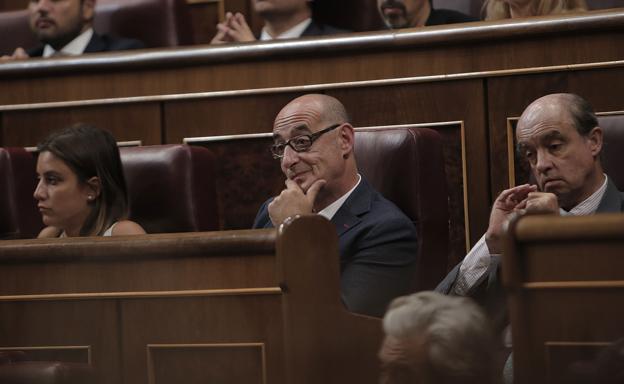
(90, 197)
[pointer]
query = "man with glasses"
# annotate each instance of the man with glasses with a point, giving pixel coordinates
(314, 142)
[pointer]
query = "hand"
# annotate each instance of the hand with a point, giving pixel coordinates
(540, 203)
(233, 29)
(18, 54)
(293, 201)
(508, 202)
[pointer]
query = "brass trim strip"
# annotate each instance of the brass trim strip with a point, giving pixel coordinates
(574, 284)
(144, 294)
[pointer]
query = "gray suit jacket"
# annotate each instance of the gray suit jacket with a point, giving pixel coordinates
(489, 292)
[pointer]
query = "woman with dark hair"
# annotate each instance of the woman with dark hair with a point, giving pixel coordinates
(81, 189)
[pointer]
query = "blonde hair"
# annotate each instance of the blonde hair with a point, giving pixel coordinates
(499, 9)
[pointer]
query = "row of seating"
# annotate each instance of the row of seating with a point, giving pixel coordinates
(172, 188)
(166, 23)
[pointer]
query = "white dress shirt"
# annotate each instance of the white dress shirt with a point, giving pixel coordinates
(73, 48)
(477, 261)
(292, 33)
(329, 211)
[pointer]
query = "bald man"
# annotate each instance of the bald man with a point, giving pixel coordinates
(560, 138)
(313, 141)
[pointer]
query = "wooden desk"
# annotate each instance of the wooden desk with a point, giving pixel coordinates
(441, 50)
(565, 283)
(257, 306)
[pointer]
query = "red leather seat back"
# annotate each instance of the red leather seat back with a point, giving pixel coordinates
(19, 217)
(15, 32)
(157, 23)
(171, 188)
(407, 166)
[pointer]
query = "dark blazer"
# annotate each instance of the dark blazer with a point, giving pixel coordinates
(489, 292)
(447, 16)
(99, 43)
(315, 29)
(378, 250)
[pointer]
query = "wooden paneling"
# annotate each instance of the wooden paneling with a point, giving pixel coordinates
(204, 18)
(258, 288)
(214, 363)
(564, 280)
(12, 5)
(381, 55)
(216, 116)
(125, 121)
(53, 326)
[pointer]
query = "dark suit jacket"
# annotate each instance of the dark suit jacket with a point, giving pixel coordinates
(447, 16)
(378, 250)
(99, 43)
(489, 292)
(315, 29)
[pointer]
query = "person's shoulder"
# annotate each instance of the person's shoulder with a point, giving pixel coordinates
(49, 232)
(448, 16)
(318, 29)
(127, 227)
(103, 43)
(36, 51)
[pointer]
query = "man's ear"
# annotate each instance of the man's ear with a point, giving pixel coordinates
(594, 138)
(88, 11)
(93, 188)
(347, 139)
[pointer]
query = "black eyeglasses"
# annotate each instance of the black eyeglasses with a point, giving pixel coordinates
(301, 143)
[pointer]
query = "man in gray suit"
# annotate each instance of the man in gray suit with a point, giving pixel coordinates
(559, 136)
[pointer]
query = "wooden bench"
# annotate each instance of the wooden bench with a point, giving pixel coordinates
(565, 283)
(253, 306)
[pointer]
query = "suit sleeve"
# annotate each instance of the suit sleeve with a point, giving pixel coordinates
(382, 268)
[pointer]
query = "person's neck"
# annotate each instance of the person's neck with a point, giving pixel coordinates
(278, 24)
(593, 184)
(328, 195)
(422, 17)
(522, 10)
(61, 43)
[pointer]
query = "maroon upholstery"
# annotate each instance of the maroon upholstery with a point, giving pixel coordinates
(612, 154)
(171, 188)
(15, 32)
(406, 165)
(44, 372)
(157, 23)
(19, 217)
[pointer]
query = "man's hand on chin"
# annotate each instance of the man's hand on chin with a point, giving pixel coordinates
(293, 201)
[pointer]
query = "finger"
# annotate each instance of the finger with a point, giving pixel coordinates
(522, 204)
(242, 21)
(292, 185)
(20, 53)
(314, 190)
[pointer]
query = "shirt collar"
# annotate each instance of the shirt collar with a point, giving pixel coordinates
(73, 48)
(292, 33)
(329, 211)
(589, 205)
